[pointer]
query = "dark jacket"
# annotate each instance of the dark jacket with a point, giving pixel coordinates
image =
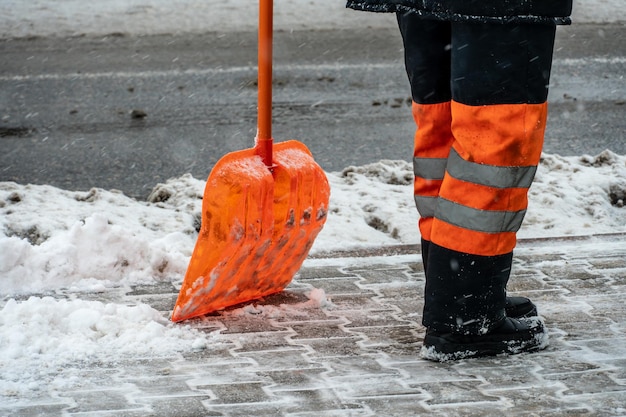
(503, 11)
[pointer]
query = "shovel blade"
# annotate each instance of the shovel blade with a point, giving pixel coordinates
(257, 228)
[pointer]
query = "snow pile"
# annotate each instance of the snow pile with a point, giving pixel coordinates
(370, 206)
(40, 336)
(577, 196)
(78, 330)
(52, 238)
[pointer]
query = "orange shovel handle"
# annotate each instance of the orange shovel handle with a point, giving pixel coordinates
(264, 124)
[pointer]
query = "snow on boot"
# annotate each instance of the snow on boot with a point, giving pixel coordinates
(512, 336)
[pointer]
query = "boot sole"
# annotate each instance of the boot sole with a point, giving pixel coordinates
(442, 349)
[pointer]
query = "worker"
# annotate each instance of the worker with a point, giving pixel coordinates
(479, 72)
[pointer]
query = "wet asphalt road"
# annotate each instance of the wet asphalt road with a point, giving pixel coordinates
(128, 112)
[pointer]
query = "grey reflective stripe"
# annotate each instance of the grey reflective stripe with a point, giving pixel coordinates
(490, 175)
(429, 168)
(426, 206)
(488, 221)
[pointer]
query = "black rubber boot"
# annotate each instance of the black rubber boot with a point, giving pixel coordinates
(515, 307)
(465, 308)
(465, 293)
(511, 337)
(518, 307)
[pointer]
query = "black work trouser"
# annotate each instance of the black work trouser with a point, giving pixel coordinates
(476, 63)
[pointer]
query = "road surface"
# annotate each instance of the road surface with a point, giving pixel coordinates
(127, 112)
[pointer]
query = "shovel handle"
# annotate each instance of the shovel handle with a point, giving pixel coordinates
(264, 123)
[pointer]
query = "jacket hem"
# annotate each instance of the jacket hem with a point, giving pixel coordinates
(457, 17)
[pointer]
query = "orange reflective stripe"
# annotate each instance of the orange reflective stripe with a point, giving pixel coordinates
(499, 134)
(469, 241)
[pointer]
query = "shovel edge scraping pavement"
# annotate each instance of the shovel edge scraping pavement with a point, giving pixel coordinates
(261, 211)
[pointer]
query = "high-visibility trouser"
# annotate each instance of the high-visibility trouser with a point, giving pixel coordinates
(474, 199)
(479, 102)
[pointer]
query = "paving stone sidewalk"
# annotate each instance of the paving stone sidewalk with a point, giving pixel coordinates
(358, 353)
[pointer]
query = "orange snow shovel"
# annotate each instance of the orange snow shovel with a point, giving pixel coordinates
(261, 211)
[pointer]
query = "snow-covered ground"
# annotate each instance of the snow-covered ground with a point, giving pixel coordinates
(89, 242)
(92, 242)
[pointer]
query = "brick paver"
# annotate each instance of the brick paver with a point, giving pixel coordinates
(359, 355)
